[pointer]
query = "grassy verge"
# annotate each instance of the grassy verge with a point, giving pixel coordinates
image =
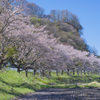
(13, 84)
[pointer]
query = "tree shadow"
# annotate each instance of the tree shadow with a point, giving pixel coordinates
(76, 79)
(16, 85)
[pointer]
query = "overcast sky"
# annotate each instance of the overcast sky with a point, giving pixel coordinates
(88, 12)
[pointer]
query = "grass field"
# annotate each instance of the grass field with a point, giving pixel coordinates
(13, 84)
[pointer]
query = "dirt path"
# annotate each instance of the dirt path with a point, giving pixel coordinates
(64, 94)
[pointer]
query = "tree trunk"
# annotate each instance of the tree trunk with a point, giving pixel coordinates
(56, 72)
(43, 73)
(18, 70)
(26, 72)
(68, 72)
(81, 72)
(0, 67)
(62, 72)
(84, 72)
(88, 72)
(49, 73)
(78, 73)
(40, 73)
(34, 71)
(73, 71)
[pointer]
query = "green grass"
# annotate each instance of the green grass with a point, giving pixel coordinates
(13, 84)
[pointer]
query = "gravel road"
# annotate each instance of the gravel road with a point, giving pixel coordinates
(64, 94)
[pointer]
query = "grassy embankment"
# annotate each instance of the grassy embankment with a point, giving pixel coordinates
(13, 84)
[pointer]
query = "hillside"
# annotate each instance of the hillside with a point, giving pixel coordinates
(67, 34)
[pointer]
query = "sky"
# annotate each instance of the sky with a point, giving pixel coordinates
(88, 12)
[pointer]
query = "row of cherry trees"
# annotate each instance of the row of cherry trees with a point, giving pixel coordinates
(27, 47)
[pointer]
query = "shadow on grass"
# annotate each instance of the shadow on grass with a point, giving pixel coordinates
(55, 86)
(16, 85)
(11, 92)
(12, 84)
(76, 79)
